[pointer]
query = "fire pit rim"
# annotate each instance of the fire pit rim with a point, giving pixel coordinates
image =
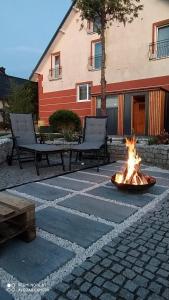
(133, 187)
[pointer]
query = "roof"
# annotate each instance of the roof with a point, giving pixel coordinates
(53, 38)
(6, 83)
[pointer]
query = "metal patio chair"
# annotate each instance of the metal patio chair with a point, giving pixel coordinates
(94, 138)
(25, 141)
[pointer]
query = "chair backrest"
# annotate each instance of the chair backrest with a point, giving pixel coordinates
(22, 128)
(95, 130)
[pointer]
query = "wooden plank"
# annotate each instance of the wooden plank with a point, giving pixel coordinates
(8, 231)
(17, 218)
(15, 202)
(5, 211)
(156, 112)
(120, 114)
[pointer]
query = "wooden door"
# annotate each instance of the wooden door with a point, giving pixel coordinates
(139, 115)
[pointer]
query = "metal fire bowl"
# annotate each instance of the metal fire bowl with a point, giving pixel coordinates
(132, 187)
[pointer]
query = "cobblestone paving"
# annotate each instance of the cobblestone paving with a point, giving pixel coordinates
(135, 265)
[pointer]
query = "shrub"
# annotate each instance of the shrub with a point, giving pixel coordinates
(162, 138)
(66, 122)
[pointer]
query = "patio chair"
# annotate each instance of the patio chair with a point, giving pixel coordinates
(25, 140)
(94, 138)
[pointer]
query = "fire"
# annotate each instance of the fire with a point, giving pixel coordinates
(132, 173)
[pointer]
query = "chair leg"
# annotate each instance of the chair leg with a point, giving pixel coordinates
(70, 160)
(18, 157)
(61, 156)
(9, 157)
(98, 161)
(36, 163)
(105, 155)
(47, 158)
(77, 156)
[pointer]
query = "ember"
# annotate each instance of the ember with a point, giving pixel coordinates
(132, 175)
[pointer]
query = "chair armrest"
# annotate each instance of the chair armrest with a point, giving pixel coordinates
(14, 139)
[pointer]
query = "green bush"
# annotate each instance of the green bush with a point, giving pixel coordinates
(65, 122)
(162, 138)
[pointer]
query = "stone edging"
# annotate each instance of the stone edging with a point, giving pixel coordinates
(5, 147)
(156, 155)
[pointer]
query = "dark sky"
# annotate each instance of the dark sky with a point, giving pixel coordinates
(26, 29)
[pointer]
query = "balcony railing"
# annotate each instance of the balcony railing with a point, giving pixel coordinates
(55, 74)
(94, 62)
(159, 50)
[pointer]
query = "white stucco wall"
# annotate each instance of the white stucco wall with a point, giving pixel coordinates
(127, 50)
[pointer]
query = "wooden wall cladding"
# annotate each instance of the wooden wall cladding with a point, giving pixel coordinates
(120, 114)
(156, 112)
(93, 106)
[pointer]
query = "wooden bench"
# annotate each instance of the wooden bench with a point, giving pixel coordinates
(17, 218)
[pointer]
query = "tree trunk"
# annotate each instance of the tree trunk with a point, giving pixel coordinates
(103, 80)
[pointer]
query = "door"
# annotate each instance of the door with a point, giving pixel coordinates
(111, 111)
(139, 114)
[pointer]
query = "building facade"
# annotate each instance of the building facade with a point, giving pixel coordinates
(137, 71)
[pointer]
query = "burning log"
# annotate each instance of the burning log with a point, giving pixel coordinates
(132, 173)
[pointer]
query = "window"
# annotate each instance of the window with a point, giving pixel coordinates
(56, 66)
(55, 71)
(83, 92)
(163, 41)
(96, 24)
(97, 55)
(111, 112)
(95, 60)
(111, 101)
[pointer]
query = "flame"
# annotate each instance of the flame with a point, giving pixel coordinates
(132, 173)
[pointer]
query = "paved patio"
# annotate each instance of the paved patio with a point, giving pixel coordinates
(93, 241)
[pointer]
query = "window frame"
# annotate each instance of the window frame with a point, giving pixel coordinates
(53, 58)
(90, 27)
(156, 26)
(92, 56)
(78, 85)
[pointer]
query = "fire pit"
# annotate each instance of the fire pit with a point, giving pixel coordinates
(132, 178)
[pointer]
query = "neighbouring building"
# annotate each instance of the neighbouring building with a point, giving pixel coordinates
(6, 84)
(137, 71)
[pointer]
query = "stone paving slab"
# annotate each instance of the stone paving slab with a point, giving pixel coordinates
(68, 184)
(71, 227)
(158, 174)
(103, 172)
(163, 181)
(156, 190)
(139, 199)
(92, 206)
(89, 176)
(31, 262)
(43, 192)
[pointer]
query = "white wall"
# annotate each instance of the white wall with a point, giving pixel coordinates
(127, 50)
